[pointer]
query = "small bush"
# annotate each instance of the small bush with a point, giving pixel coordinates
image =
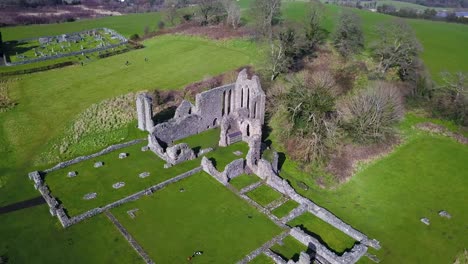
(161, 24)
(134, 37)
(370, 115)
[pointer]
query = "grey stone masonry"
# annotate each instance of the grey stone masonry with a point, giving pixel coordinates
(100, 153)
(277, 203)
(277, 259)
(129, 238)
(264, 248)
(347, 258)
(445, 214)
(145, 112)
(251, 187)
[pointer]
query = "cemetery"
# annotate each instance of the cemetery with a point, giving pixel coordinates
(32, 50)
(166, 196)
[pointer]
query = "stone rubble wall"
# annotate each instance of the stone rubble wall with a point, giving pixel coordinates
(264, 248)
(265, 171)
(67, 221)
(347, 258)
(234, 169)
(109, 149)
(276, 258)
(129, 238)
(250, 187)
(209, 168)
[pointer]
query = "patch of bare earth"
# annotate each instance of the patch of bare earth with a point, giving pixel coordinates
(438, 129)
(344, 162)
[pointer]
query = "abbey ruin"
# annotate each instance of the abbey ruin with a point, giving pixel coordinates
(238, 111)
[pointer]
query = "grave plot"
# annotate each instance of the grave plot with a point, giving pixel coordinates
(332, 238)
(108, 178)
(53, 47)
(171, 225)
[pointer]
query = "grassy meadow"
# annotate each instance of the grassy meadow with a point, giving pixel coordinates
(171, 225)
(387, 198)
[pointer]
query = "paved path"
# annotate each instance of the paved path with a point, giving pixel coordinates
(22, 205)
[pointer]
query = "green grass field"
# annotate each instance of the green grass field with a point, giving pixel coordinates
(290, 249)
(400, 4)
(388, 197)
(244, 180)
(171, 225)
(47, 101)
(71, 190)
(34, 236)
(262, 259)
(264, 195)
(284, 209)
(442, 42)
(329, 236)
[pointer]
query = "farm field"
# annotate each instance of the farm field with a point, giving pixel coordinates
(170, 225)
(400, 4)
(387, 198)
(442, 42)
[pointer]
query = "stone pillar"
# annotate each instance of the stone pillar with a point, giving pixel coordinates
(141, 114)
(148, 109)
(144, 106)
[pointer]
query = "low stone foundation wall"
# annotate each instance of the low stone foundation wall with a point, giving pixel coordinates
(65, 164)
(347, 258)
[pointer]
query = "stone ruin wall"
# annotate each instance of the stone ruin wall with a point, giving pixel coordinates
(232, 170)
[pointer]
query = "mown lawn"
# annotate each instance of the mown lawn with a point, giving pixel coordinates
(34, 236)
(387, 198)
(171, 225)
(264, 195)
(329, 236)
(70, 191)
(244, 180)
(290, 249)
(206, 139)
(285, 208)
(262, 259)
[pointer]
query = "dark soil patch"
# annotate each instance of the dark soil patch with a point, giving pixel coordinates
(343, 163)
(438, 129)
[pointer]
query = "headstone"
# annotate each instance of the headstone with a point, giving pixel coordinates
(89, 196)
(167, 165)
(132, 212)
(123, 155)
(425, 221)
(445, 214)
(98, 164)
(118, 185)
(237, 153)
(144, 174)
(72, 174)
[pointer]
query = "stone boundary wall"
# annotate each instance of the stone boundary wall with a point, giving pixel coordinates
(347, 258)
(58, 210)
(232, 170)
(263, 248)
(277, 259)
(265, 171)
(129, 238)
(109, 149)
(122, 38)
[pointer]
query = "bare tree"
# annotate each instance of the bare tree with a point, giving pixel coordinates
(397, 47)
(451, 98)
(233, 12)
(348, 38)
(208, 8)
(265, 12)
(369, 116)
(276, 62)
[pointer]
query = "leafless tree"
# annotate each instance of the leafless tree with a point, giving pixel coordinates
(264, 12)
(397, 46)
(369, 116)
(208, 8)
(233, 12)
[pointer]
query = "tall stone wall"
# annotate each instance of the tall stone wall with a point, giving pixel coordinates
(144, 105)
(175, 129)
